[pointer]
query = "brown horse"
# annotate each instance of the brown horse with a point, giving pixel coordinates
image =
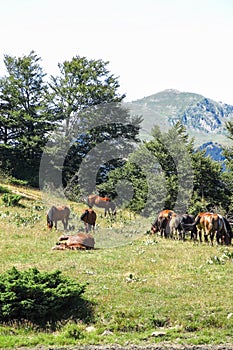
(89, 218)
(75, 242)
(161, 223)
(102, 202)
(210, 224)
(56, 214)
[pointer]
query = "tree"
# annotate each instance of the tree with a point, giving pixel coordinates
(82, 83)
(228, 174)
(158, 173)
(24, 118)
(86, 103)
(209, 189)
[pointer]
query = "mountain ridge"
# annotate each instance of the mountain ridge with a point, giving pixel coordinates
(203, 118)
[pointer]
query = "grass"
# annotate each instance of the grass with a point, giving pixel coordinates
(144, 289)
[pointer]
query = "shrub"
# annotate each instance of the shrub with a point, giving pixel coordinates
(39, 297)
(4, 189)
(11, 199)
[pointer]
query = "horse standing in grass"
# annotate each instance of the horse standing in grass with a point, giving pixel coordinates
(102, 202)
(89, 219)
(161, 223)
(56, 214)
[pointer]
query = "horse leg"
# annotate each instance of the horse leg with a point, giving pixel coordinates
(55, 224)
(212, 233)
(65, 224)
(200, 235)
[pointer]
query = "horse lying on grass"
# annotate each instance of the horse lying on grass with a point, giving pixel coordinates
(80, 241)
(56, 214)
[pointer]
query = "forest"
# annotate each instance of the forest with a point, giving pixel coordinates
(73, 131)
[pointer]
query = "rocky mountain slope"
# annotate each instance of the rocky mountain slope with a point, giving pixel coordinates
(204, 118)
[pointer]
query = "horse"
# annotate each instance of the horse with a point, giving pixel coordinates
(161, 223)
(56, 214)
(224, 233)
(210, 224)
(89, 219)
(102, 202)
(204, 225)
(187, 219)
(176, 226)
(75, 242)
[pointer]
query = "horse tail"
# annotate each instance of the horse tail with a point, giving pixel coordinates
(197, 220)
(193, 225)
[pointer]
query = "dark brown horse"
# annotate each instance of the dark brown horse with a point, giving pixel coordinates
(89, 218)
(102, 202)
(56, 214)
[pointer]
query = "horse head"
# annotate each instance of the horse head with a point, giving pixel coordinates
(154, 227)
(49, 222)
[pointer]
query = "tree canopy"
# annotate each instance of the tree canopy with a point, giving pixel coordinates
(73, 130)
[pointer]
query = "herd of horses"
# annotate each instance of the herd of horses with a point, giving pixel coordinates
(62, 213)
(167, 223)
(210, 225)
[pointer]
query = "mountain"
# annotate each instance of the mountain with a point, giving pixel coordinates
(203, 118)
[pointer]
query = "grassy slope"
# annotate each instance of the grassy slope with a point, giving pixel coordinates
(138, 285)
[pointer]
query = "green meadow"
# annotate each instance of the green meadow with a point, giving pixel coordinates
(142, 289)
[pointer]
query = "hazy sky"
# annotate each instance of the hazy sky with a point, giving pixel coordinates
(151, 45)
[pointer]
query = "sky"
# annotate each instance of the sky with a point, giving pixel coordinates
(151, 45)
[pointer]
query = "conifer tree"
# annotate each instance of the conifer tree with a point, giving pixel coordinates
(24, 118)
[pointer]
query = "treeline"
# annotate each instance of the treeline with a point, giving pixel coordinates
(63, 111)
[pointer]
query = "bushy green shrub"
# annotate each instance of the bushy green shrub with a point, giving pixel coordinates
(3, 189)
(40, 297)
(12, 180)
(11, 200)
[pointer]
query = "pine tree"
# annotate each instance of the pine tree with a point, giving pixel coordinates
(24, 118)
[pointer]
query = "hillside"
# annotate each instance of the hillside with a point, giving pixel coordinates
(204, 118)
(146, 293)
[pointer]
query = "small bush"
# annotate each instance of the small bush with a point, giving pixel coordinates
(12, 180)
(4, 189)
(11, 200)
(39, 297)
